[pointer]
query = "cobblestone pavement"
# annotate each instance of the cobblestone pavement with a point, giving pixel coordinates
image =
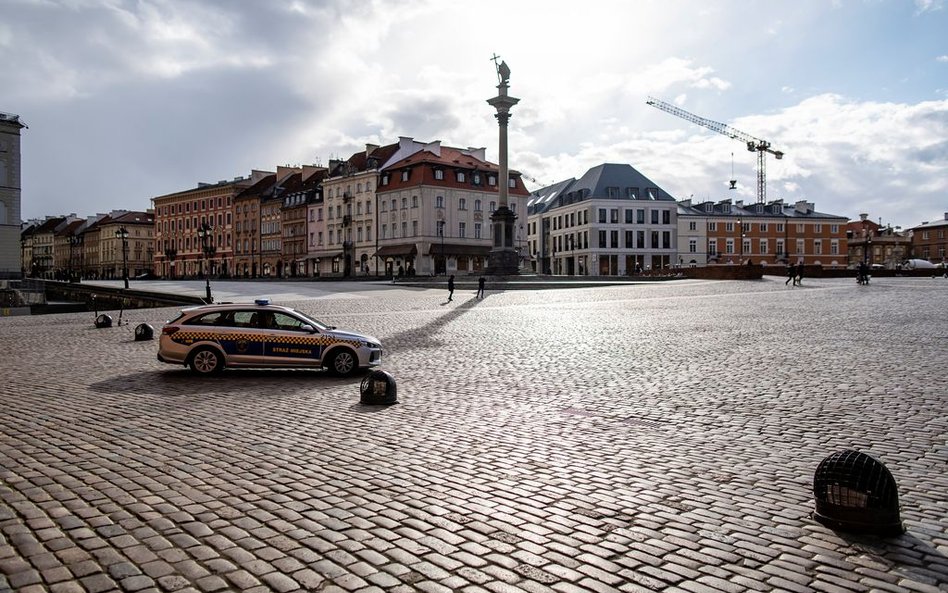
(658, 437)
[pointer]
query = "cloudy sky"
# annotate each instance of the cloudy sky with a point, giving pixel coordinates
(130, 99)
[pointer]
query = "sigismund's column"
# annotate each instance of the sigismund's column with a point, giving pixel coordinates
(503, 259)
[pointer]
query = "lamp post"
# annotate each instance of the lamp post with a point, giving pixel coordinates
(253, 251)
(122, 233)
(867, 256)
(170, 254)
(740, 238)
(444, 262)
(207, 246)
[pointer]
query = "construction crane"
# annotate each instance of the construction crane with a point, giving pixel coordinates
(761, 147)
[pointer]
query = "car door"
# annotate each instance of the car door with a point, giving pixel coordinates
(240, 338)
(291, 341)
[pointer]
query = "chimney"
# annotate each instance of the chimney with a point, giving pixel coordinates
(285, 171)
(310, 170)
(369, 149)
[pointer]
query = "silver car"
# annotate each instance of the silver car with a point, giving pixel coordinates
(211, 337)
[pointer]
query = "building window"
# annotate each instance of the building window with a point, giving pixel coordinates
(394, 206)
(493, 207)
(405, 229)
(476, 178)
(491, 180)
(692, 246)
(817, 228)
(834, 247)
(414, 228)
(666, 240)
(414, 201)
(602, 238)
(477, 230)
(779, 227)
(614, 213)
(780, 249)
(384, 208)
(800, 246)
(439, 174)
(384, 181)
(666, 217)
(629, 216)
(602, 216)
(477, 205)
(614, 237)
(729, 246)
(462, 230)
(713, 247)
(763, 227)
(800, 228)
(629, 239)
(511, 182)
(712, 226)
(439, 201)
(692, 226)
(818, 247)
(834, 228)
(729, 227)
(460, 176)
(640, 239)
(654, 216)
(405, 175)
(763, 247)
(462, 204)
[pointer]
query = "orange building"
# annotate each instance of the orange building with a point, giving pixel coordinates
(769, 234)
(179, 250)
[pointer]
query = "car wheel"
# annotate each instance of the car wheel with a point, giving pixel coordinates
(206, 361)
(344, 362)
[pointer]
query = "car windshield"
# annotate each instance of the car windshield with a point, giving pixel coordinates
(315, 323)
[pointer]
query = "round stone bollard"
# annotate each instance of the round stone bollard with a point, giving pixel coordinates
(143, 331)
(378, 389)
(855, 492)
(103, 321)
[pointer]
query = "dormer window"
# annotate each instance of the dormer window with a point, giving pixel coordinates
(439, 174)
(384, 182)
(491, 180)
(405, 174)
(461, 177)
(477, 179)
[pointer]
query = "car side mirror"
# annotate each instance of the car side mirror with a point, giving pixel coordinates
(308, 328)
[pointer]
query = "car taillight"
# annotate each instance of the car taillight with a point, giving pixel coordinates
(167, 331)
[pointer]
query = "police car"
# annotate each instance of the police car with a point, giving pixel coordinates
(209, 338)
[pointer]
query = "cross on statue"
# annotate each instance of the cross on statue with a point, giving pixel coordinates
(503, 70)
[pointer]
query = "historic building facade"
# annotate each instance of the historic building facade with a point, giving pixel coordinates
(181, 218)
(930, 241)
(613, 221)
(433, 208)
(768, 234)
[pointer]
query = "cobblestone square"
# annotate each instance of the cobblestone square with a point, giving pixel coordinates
(649, 437)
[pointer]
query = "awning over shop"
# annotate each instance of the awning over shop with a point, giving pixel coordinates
(456, 249)
(408, 249)
(335, 255)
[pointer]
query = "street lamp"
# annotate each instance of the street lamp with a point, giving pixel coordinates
(867, 256)
(740, 238)
(170, 254)
(441, 233)
(207, 246)
(122, 233)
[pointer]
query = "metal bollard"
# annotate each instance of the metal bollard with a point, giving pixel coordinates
(378, 389)
(103, 321)
(855, 492)
(143, 331)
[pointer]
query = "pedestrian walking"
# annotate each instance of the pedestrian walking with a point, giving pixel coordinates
(451, 288)
(480, 287)
(799, 277)
(791, 275)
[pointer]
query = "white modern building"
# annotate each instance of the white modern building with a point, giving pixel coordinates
(612, 221)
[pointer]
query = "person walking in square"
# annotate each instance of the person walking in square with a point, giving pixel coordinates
(791, 275)
(480, 287)
(799, 278)
(451, 288)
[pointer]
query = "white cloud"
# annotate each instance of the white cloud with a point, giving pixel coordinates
(942, 58)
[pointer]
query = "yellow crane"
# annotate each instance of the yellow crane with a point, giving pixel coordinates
(761, 147)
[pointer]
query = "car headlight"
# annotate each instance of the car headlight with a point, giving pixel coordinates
(367, 344)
